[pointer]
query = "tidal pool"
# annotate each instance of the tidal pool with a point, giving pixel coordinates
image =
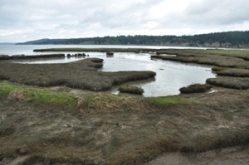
(170, 76)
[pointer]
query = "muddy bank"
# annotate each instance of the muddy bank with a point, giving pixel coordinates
(107, 129)
(231, 66)
(234, 72)
(82, 74)
(216, 57)
(230, 82)
(242, 54)
(25, 57)
(226, 156)
(135, 50)
(215, 60)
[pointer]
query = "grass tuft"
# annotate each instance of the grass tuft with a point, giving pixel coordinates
(48, 96)
(174, 100)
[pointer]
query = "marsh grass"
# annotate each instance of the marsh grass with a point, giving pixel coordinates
(235, 72)
(36, 94)
(48, 96)
(196, 88)
(170, 100)
(233, 64)
(104, 102)
(131, 89)
(230, 82)
(217, 139)
(109, 129)
(6, 88)
(222, 58)
(82, 74)
(244, 54)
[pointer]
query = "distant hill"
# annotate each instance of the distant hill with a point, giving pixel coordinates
(235, 39)
(44, 41)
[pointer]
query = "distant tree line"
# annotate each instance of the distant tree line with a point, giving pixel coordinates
(222, 39)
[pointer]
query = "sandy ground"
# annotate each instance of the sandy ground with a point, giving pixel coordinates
(228, 156)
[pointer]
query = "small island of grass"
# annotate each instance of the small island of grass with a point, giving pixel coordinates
(131, 89)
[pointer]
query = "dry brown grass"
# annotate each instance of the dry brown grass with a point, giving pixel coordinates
(98, 102)
(18, 95)
(107, 129)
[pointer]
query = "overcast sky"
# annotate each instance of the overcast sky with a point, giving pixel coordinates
(24, 20)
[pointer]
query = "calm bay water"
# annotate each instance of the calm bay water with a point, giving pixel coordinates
(170, 75)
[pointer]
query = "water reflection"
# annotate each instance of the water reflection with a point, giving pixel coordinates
(169, 78)
(50, 61)
(170, 75)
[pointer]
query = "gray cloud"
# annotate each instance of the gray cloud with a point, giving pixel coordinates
(24, 20)
(223, 12)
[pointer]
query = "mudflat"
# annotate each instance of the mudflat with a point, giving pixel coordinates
(41, 126)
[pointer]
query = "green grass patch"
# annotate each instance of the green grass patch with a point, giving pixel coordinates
(175, 100)
(39, 95)
(6, 88)
(48, 96)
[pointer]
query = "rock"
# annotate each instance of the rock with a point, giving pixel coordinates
(109, 53)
